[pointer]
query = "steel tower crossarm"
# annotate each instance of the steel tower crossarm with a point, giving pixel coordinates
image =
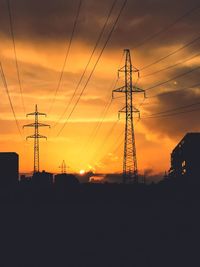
(130, 171)
(36, 136)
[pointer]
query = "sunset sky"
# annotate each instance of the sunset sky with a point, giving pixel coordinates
(42, 30)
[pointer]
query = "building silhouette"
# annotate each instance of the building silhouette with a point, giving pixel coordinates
(42, 179)
(9, 168)
(66, 181)
(185, 159)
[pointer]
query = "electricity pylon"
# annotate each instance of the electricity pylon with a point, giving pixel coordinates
(130, 171)
(36, 136)
(63, 167)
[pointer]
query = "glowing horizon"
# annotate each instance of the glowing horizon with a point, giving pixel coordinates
(40, 60)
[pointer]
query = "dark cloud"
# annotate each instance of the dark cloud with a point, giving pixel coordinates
(42, 78)
(53, 20)
(174, 94)
(177, 78)
(178, 124)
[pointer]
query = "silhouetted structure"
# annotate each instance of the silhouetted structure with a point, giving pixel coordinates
(130, 173)
(63, 167)
(36, 136)
(99, 224)
(42, 179)
(9, 168)
(185, 159)
(65, 181)
(25, 179)
(85, 178)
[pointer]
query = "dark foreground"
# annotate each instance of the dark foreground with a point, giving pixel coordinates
(101, 225)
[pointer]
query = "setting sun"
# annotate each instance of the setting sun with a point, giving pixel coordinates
(82, 172)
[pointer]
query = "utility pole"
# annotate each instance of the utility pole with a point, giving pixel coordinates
(130, 171)
(36, 136)
(63, 167)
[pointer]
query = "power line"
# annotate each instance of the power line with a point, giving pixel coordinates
(170, 54)
(92, 137)
(178, 76)
(172, 114)
(106, 138)
(102, 50)
(118, 139)
(96, 129)
(122, 142)
(120, 69)
(9, 98)
(103, 115)
(130, 170)
(175, 77)
(90, 58)
(67, 53)
(15, 53)
(192, 86)
(104, 112)
(151, 37)
(171, 66)
(36, 136)
(180, 89)
(107, 106)
(174, 109)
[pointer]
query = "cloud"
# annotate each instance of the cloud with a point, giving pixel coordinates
(178, 124)
(53, 20)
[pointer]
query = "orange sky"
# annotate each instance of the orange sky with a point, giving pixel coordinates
(40, 63)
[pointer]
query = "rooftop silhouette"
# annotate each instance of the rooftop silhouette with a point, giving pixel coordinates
(185, 157)
(61, 222)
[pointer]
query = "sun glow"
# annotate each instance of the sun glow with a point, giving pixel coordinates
(82, 172)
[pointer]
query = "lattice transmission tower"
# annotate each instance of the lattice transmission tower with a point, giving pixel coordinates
(130, 171)
(36, 136)
(63, 167)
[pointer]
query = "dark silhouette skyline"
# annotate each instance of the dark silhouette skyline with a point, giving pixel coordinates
(184, 163)
(59, 221)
